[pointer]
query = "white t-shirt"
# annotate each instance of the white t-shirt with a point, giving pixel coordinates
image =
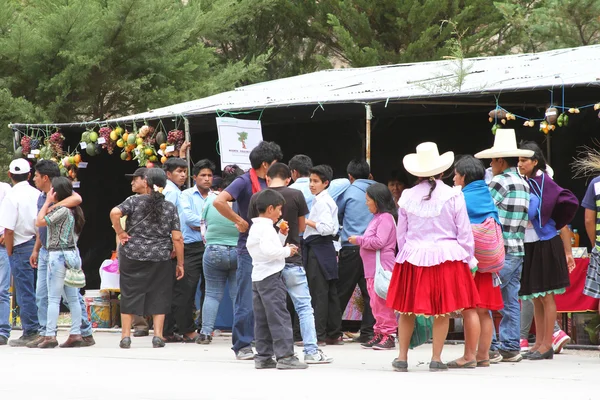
(18, 212)
(265, 246)
(4, 189)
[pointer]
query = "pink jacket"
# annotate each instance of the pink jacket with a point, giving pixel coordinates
(380, 235)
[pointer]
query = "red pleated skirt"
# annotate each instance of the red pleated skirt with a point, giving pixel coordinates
(490, 296)
(432, 291)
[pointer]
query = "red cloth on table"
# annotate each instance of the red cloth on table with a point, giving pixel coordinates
(573, 300)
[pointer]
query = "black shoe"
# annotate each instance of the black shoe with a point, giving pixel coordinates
(334, 341)
(125, 343)
(157, 342)
(536, 355)
(23, 340)
(203, 339)
(266, 364)
(437, 366)
(511, 356)
(140, 333)
(3, 340)
(368, 345)
(363, 339)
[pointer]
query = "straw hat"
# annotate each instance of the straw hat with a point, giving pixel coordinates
(505, 145)
(427, 161)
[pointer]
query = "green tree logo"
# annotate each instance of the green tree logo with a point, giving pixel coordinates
(243, 136)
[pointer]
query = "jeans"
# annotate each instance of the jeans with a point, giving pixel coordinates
(296, 283)
(41, 297)
(56, 287)
(527, 319)
(510, 275)
(5, 325)
(220, 267)
(243, 315)
(24, 280)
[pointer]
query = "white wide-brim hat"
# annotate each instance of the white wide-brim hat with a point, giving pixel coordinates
(427, 161)
(505, 145)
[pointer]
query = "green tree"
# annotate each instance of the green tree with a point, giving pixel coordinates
(87, 59)
(540, 25)
(286, 35)
(367, 32)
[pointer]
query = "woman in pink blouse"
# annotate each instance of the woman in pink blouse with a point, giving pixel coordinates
(432, 275)
(380, 237)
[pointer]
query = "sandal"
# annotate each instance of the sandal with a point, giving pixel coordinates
(483, 363)
(455, 365)
(436, 366)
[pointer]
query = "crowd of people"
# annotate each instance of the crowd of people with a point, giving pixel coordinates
(291, 243)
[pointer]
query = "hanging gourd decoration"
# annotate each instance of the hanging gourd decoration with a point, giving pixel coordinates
(552, 115)
(497, 114)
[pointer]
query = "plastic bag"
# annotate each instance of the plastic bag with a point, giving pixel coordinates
(423, 331)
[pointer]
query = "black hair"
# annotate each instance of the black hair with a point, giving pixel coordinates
(158, 177)
(18, 178)
(383, 199)
(301, 164)
(230, 172)
(48, 168)
(203, 164)
(173, 163)
(217, 182)
(265, 152)
(432, 180)
(399, 176)
(63, 188)
(538, 155)
(279, 170)
(358, 169)
(324, 172)
(511, 161)
(266, 198)
(471, 168)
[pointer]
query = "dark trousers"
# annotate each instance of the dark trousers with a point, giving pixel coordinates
(325, 300)
(184, 291)
(272, 328)
(352, 273)
(140, 323)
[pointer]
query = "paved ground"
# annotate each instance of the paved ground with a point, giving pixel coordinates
(190, 371)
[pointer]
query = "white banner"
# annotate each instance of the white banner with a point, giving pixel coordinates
(237, 138)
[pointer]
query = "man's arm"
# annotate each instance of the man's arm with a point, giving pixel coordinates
(590, 225)
(70, 202)
(33, 259)
(223, 208)
(9, 240)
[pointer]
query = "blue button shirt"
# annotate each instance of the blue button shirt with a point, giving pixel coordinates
(190, 207)
(172, 193)
(353, 212)
(335, 189)
(43, 230)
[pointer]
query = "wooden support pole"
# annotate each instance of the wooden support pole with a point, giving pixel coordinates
(369, 116)
(188, 139)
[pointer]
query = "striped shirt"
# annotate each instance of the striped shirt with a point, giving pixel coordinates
(591, 201)
(511, 195)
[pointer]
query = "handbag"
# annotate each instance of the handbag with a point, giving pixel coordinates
(382, 277)
(423, 331)
(489, 246)
(74, 276)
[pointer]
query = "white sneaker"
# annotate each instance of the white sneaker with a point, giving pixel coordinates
(318, 358)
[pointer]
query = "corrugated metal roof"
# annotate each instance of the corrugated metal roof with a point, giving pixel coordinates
(519, 72)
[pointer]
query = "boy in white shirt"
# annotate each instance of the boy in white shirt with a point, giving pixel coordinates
(272, 324)
(320, 259)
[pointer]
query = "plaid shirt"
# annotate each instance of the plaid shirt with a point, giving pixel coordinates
(511, 195)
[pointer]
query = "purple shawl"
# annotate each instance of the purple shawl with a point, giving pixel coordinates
(557, 203)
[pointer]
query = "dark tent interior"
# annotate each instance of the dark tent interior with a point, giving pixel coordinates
(335, 133)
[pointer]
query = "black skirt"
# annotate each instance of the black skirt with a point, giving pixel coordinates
(146, 286)
(544, 268)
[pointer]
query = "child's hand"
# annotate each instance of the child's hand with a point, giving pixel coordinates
(293, 249)
(284, 228)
